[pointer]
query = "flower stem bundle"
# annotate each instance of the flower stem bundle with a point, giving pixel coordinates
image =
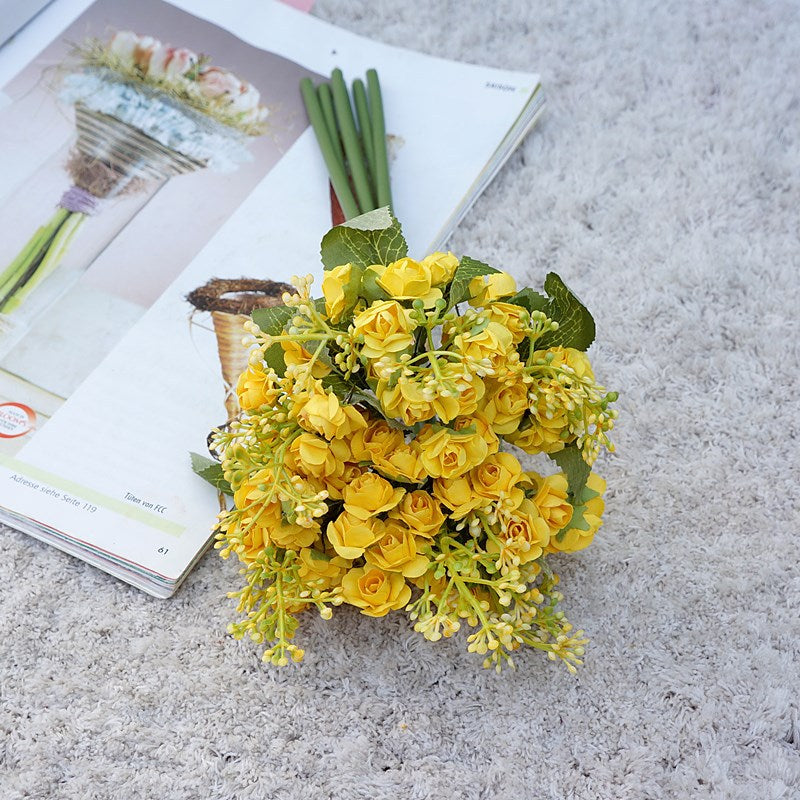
(353, 144)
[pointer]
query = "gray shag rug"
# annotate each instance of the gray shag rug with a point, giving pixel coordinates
(663, 184)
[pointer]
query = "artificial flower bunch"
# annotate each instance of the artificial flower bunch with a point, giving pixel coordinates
(367, 466)
(180, 71)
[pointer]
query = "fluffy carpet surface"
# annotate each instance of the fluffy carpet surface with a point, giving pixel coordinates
(662, 183)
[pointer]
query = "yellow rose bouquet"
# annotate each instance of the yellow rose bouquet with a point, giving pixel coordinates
(369, 465)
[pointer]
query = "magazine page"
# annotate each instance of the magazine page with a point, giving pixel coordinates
(108, 374)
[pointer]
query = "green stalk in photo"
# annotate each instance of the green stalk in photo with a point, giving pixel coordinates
(379, 139)
(365, 129)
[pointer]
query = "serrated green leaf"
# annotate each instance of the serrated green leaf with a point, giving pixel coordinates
(575, 469)
(272, 320)
(468, 268)
(529, 300)
(275, 359)
(575, 323)
(348, 392)
(372, 238)
(210, 471)
(370, 290)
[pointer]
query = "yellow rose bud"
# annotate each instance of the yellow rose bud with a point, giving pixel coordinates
(407, 279)
(504, 405)
(524, 533)
(321, 413)
(293, 537)
(421, 512)
(486, 289)
(255, 389)
(340, 290)
(374, 591)
(402, 464)
(569, 357)
(478, 420)
(311, 455)
(320, 570)
(406, 401)
(396, 551)
(457, 494)
(335, 484)
(448, 454)
(514, 318)
(294, 354)
(386, 328)
(442, 267)
(350, 536)
(374, 440)
(493, 343)
(467, 390)
(551, 499)
(540, 433)
(370, 494)
(574, 539)
(496, 480)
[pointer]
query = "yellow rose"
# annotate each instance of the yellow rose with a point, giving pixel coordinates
(524, 533)
(293, 537)
(335, 484)
(551, 500)
(569, 357)
(574, 539)
(321, 412)
(376, 439)
(407, 279)
(504, 405)
(406, 401)
(543, 434)
(350, 536)
(493, 343)
(253, 491)
(386, 327)
(442, 267)
(294, 354)
(370, 494)
(340, 289)
(396, 551)
(402, 464)
(448, 454)
(457, 494)
(320, 570)
(467, 390)
(374, 591)
(495, 480)
(255, 389)
(486, 289)
(421, 512)
(478, 420)
(311, 455)
(515, 318)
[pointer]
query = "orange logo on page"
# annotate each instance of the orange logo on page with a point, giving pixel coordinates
(16, 420)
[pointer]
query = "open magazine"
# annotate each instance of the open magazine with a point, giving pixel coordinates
(119, 204)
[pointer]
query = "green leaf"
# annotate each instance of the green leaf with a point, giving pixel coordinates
(274, 358)
(370, 290)
(468, 268)
(272, 320)
(372, 238)
(529, 300)
(210, 471)
(575, 469)
(575, 323)
(348, 392)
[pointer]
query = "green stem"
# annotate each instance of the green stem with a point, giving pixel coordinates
(335, 169)
(31, 255)
(379, 139)
(55, 253)
(365, 127)
(326, 104)
(352, 146)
